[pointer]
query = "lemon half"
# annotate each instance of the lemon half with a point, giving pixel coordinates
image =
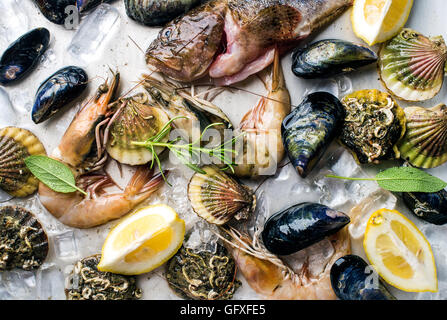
(399, 252)
(377, 21)
(142, 241)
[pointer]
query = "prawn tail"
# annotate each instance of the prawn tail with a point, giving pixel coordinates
(144, 183)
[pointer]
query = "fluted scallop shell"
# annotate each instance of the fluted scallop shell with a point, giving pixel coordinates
(16, 145)
(425, 142)
(373, 126)
(412, 66)
(217, 197)
(24, 243)
(137, 121)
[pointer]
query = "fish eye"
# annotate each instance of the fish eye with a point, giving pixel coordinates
(167, 33)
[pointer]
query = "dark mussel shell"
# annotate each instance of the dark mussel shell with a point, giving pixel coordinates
(55, 92)
(309, 129)
(431, 207)
(86, 5)
(301, 226)
(327, 58)
(353, 279)
(54, 10)
(158, 12)
(22, 55)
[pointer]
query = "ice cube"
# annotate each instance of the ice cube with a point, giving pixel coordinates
(92, 34)
(19, 284)
(8, 115)
(50, 283)
(66, 247)
(14, 22)
(202, 238)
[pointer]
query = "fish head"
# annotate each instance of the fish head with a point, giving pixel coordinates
(186, 47)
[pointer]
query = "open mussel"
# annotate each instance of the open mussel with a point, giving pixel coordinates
(202, 275)
(135, 121)
(309, 129)
(300, 226)
(217, 197)
(353, 279)
(425, 142)
(327, 58)
(88, 283)
(22, 55)
(16, 145)
(412, 66)
(431, 207)
(158, 12)
(24, 243)
(373, 126)
(57, 91)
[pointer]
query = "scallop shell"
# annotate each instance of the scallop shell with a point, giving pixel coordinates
(24, 243)
(137, 121)
(374, 124)
(412, 66)
(425, 142)
(16, 144)
(217, 197)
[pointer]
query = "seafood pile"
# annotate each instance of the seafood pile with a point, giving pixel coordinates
(235, 166)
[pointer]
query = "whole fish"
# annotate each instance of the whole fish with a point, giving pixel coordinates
(233, 39)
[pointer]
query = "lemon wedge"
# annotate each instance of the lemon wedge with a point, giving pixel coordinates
(377, 21)
(142, 241)
(399, 252)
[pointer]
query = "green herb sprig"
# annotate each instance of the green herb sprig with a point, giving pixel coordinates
(403, 179)
(187, 152)
(54, 174)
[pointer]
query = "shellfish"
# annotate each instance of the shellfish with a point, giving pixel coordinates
(16, 145)
(86, 5)
(327, 58)
(373, 126)
(217, 197)
(158, 12)
(202, 275)
(309, 129)
(300, 226)
(54, 10)
(58, 90)
(88, 283)
(22, 55)
(412, 66)
(425, 142)
(353, 279)
(431, 207)
(135, 121)
(23, 241)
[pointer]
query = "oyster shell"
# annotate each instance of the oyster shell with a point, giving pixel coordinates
(217, 197)
(16, 144)
(202, 275)
(23, 241)
(412, 66)
(88, 283)
(137, 121)
(373, 126)
(425, 142)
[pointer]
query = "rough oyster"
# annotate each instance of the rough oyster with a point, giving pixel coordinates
(300, 226)
(87, 283)
(23, 241)
(136, 121)
(310, 128)
(202, 275)
(425, 142)
(373, 126)
(217, 197)
(327, 58)
(412, 66)
(16, 145)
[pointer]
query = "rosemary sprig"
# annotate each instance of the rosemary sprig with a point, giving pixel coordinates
(187, 152)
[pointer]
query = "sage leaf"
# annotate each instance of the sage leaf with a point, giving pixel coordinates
(407, 179)
(54, 174)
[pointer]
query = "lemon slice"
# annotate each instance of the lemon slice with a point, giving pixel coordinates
(377, 21)
(399, 252)
(142, 241)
